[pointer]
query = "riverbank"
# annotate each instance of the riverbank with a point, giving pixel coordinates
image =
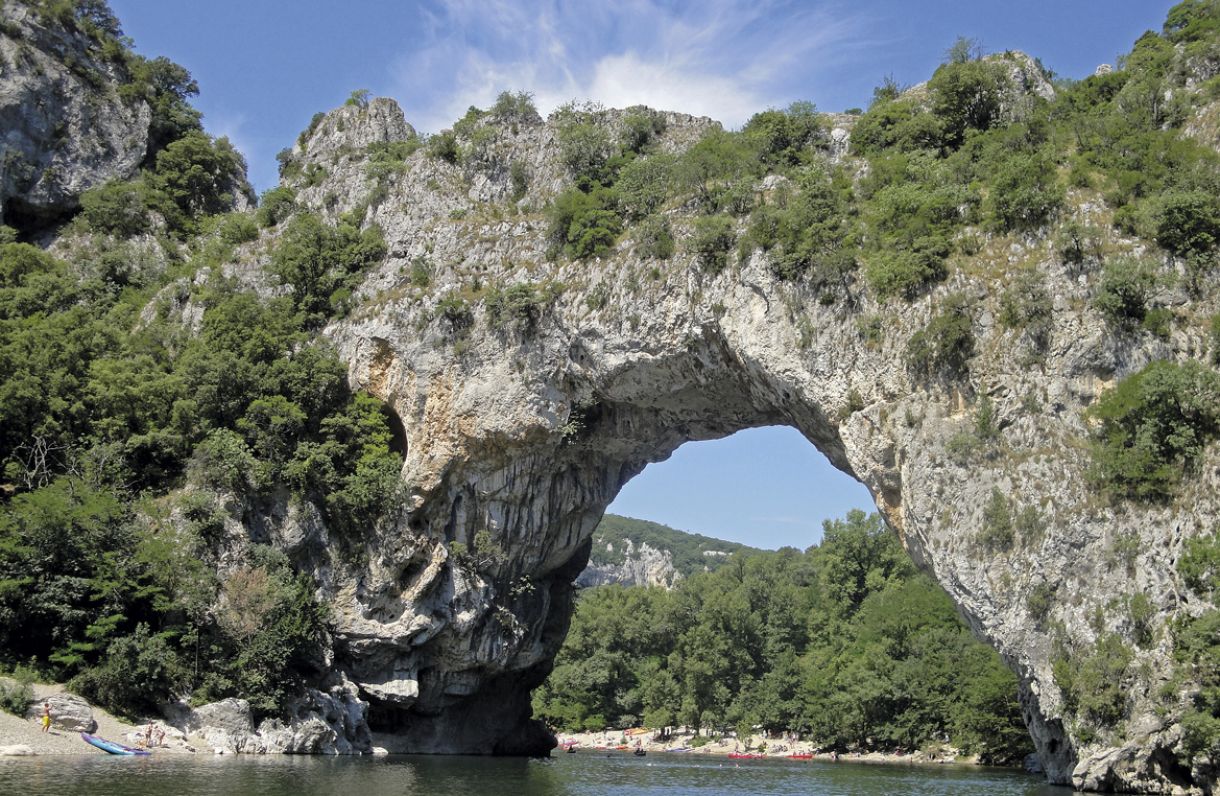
(771, 748)
(24, 736)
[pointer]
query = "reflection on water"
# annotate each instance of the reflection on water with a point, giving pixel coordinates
(582, 774)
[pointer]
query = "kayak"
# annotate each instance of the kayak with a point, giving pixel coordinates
(744, 756)
(801, 756)
(110, 746)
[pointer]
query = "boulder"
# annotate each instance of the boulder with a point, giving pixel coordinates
(227, 724)
(68, 712)
(16, 750)
(318, 722)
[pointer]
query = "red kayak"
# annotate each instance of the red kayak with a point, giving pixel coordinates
(744, 756)
(804, 756)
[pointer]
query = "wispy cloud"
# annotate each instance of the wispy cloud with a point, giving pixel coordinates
(721, 58)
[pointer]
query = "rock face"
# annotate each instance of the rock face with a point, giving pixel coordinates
(523, 430)
(68, 712)
(64, 127)
(642, 566)
(331, 722)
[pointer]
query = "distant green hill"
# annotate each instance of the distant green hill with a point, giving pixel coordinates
(691, 552)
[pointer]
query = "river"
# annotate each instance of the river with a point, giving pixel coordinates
(587, 774)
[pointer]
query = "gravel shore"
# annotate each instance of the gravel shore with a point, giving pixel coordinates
(19, 734)
(650, 741)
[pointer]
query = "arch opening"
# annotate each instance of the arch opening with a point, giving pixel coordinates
(857, 584)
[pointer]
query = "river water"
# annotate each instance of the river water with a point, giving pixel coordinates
(581, 774)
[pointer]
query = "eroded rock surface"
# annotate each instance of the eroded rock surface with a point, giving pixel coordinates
(641, 566)
(63, 126)
(319, 722)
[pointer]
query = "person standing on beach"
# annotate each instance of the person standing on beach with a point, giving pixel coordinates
(46, 716)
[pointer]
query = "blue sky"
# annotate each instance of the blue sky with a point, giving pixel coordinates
(266, 66)
(765, 487)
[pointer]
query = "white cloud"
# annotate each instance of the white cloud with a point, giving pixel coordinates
(721, 58)
(228, 125)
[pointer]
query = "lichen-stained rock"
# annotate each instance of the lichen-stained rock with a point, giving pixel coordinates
(63, 126)
(521, 429)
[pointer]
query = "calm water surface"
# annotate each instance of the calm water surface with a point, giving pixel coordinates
(590, 774)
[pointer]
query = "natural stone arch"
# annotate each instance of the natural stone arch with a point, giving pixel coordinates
(536, 463)
(524, 426)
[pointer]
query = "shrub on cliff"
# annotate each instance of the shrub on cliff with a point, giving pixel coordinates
(521, 303)
(895, 124)
(787, 137)
(641, 126)
(1024, 192)
(585, 148)
(942, 349)
(1152, 427)
(1124, 290)
(912, 205)
(1026, 305)
(711, 169)
(643, 185)
(197, 175)
(1188, 224)
(811, 234)
(1093, 684)
(515, 108)
(443, 146)
(117, 208)
(967, 95)
(711, 240)
(322, 263)
(276, 205)
(583, 225)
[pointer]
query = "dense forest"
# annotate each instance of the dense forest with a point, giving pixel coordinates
(845, 643)
(110, 403)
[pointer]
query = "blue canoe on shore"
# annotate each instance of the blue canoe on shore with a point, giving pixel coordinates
(110, 746)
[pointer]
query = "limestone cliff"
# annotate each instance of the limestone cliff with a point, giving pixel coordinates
(527, 426)
(66, 128)
(642, 566)
(635, 552)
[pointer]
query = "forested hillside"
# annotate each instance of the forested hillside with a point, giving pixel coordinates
(132, 366)
(845, 643)
(618, 539)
